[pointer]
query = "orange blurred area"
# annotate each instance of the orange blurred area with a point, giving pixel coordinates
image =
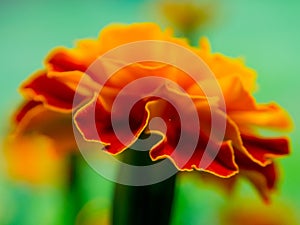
(33, 159)
(250, 212)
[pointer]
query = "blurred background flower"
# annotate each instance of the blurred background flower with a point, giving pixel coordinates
(264, 32)
(27, 162)
(188, 17)
(252, 212)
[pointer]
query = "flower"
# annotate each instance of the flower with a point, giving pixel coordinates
(26, 162)
(256, 213)
(34, 148)
(188, 15)
(243, 152)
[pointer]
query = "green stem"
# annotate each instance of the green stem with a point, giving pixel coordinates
(73, 200)
(142, 205)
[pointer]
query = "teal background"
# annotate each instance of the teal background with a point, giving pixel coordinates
(265, 33)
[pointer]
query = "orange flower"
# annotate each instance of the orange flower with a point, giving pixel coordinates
(187, 15)
(242, 150)
(40, 136)
(250, 212)
(27, 162)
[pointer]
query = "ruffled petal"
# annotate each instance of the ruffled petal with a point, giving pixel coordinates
(223, 66)
(24, 109)
(189, 156)
(237, 98)
(269, 116)
(259, 150)
(110, 36)
(95, 124)
(222, 165)
(38, 120)
(78, 81)
(79, 58)
(53, 93)
(264, 178)
(265, 149)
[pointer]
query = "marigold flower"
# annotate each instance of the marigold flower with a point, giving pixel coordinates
(27, 162)
(188, 15)
(250, 212)
(40, 137)
(242, 151)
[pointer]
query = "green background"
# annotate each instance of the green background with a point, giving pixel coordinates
(265, 33)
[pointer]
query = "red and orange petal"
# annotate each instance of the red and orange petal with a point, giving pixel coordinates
(38, 120)
(53, 93)
(264, 150)
(223, 66)
(264, 178)
(78, 58)
(106, 72)
(235, 95)
(222, 165)
(258, 149)
(268, 116)
(189, 156)
(95, 124)
(110, 36)
(78, 81)
(218, 158)
(138, 116)
(246, 113)
(237, 82)
(24, 109)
